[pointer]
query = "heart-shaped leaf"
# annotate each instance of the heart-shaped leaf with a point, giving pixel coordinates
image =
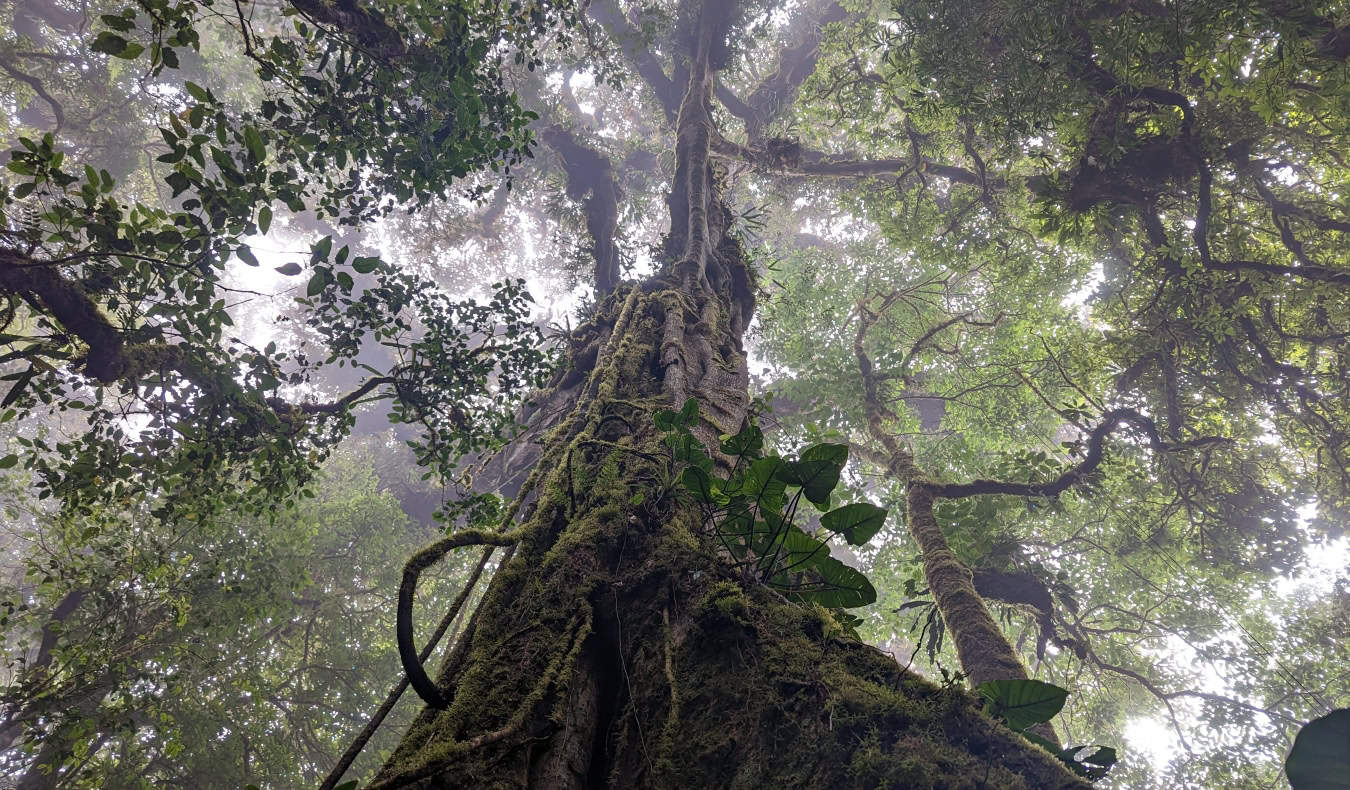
(1022, 703)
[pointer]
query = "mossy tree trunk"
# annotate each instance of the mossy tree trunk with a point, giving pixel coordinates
(616, 648)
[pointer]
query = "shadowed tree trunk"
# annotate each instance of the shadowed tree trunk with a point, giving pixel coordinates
(616, 648)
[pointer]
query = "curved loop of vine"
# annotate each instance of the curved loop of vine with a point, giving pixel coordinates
(407, 649)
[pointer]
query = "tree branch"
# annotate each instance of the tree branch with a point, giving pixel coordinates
(36, 84)
(611, 17)
(590, 174)
(795, 64)
(1096, 441)
(110, 358)
(407, 650)
(809, 162)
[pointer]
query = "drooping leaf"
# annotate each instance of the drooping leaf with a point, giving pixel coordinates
(701, 485)
(857, 522)
(254, 142)
(762, 485)
(838, 585)
(689, 413)
(748, 442)
(817, 471)
(316, 284)
(1023, 703)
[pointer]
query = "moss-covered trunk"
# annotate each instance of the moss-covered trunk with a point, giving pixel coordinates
(616, 648)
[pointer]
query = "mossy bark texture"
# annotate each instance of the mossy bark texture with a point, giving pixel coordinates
(616, 648)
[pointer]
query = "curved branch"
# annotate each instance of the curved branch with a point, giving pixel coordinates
(407, 650)
(36, 85)
(1096, 441)
(363, 737)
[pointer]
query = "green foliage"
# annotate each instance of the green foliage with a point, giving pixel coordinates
(176, 649)
(1022, 704)
(753, 510)
(131, 309)
(1320, 757)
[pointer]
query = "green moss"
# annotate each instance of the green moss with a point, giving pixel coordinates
(695, 678)
(876, 768)
(725, 603)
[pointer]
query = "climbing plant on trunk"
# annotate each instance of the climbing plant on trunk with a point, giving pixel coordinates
(617, 645)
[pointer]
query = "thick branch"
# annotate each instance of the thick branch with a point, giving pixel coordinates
(68, 303)
(110, 359)
(590, 174)
(609, 15)
(795, 64)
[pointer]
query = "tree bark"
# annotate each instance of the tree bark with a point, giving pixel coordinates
(617, 648)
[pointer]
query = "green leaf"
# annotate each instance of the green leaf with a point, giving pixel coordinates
(8, 461)
(817, 472)
(290, 270)
(246, 255)
(665, 420)
(254, 142)
(839, 587)
(701, 485)
(319, 251)
(763, 485)
(748, 442)
(117, 22)
(197, 92)
(264, 219)
(684, 448)
(316, 284)
(1022, 703)
(364, 265)
(1320, 758)
(689, 413)
(857, 522)
(1095, 765)
(110, 44)
(836, 453)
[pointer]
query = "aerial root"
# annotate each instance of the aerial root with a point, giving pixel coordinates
(407, 651)
(580, 629)
(673, 717)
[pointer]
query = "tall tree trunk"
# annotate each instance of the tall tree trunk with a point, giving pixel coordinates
(616, 648)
